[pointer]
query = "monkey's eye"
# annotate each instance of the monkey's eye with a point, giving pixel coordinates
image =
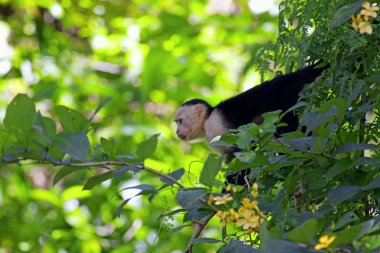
(180, 121)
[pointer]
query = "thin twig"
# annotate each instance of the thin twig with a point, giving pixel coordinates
(198, 228)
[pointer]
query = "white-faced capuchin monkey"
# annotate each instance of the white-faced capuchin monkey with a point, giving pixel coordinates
(197, 119)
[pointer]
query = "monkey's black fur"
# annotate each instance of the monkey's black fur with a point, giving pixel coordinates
(280, 93)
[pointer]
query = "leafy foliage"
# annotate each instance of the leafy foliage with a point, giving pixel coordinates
(313, 190)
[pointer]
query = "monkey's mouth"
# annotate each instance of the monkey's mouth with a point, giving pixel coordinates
(181, 136)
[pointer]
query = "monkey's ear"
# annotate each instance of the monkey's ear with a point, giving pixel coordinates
(199, 108)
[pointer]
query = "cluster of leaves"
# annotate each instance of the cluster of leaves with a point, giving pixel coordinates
(318, 187)
(149, 56)
(325, 179)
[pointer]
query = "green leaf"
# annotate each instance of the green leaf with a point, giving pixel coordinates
(172, 213)
(145, 189)
(283, 246)
(345, 220)
(236, 246)
(92, 181)
(339, 167)
(19, 118)
(179, 228)
(196, 213)
(367, 161)
(374, 184)
(345, 13)
(374, 78)
(354, 147)
(246, 157)
(71, 120)
(147, 148)
(291, 183)
(45, 128)
(340, 194)
(64, 171)
(100, 106)
(189, 199)
(75, 144)
(210, 169)
(175, 174)
(305, 232)
(340, 104)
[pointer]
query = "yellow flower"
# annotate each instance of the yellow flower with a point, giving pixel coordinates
(223, 199)
(248, 204)
(369, 10)
(365, 27)
(254, 194)
(249, 221)
(255, 186)
(228, 188)
(210, 199)
(233, 214)
(324, 242)
(355, 21)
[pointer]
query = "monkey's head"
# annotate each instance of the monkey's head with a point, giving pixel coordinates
(190, 119)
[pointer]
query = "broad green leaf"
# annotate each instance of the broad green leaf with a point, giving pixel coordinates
(147, 148)
(375, 78)
(345, 13)
(64, 171)
(19, 118)
(347, 235)
(236, 246)
(175, 174)
(71, 120)
(354, 147)
(267, 234)
(45, 128)
(339, 167)
(291, 182)
(345, 220)
(314, 120)
(246, 157)
(340, 104)
(75, 144)
(92, 181)
(283, 246)
(301, 144)
(367, 161)
(189, 199)
(374, 184)
(128, 168)
(196, 213)
(210, 169)
(342, 193)
(108, 145)
(305, 233)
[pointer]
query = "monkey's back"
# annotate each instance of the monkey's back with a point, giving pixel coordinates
(280, 93)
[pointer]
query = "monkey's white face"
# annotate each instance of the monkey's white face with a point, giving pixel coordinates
(190, 122)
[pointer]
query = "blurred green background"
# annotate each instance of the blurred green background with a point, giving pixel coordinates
(148, 57)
